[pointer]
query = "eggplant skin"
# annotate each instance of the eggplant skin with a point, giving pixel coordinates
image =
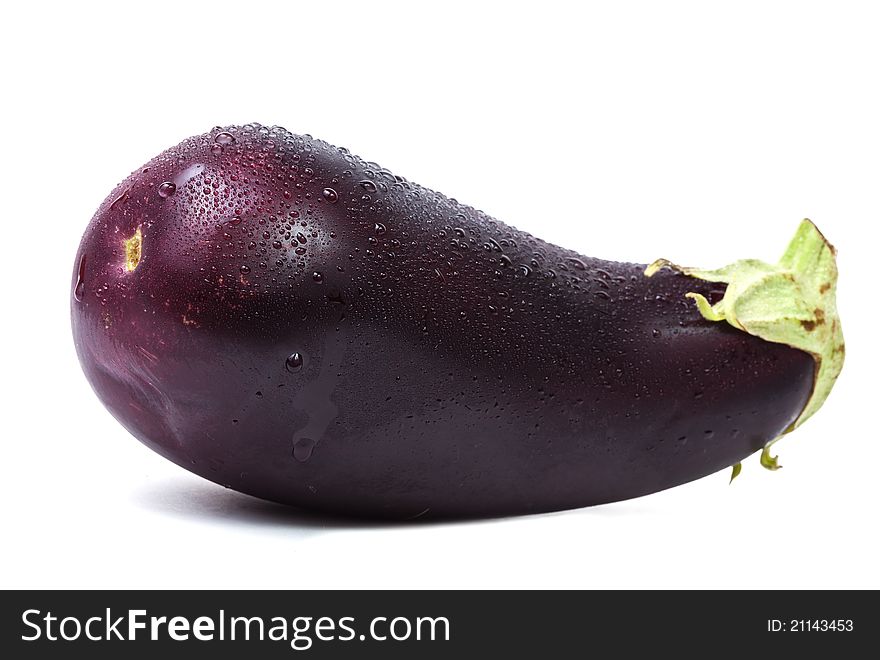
(285, 319)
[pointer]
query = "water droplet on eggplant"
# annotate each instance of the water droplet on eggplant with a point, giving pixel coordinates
(80, 286)
(303, 448)
(294, 362)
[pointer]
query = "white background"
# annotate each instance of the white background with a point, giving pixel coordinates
(698, 131)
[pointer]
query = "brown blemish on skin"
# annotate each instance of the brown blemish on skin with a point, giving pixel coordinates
(132, 248)
(824, 287)
(809, 326)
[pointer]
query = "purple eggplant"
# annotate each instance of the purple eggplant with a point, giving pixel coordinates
(288, 320)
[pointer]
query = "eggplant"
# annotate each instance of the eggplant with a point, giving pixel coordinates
(288, 320)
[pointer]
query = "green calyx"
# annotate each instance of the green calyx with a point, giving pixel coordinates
(792, 302)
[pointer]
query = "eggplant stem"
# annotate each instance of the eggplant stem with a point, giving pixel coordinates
(768, 461)
(708, 312)
(659, 264)
(792, 302)
(734, 473)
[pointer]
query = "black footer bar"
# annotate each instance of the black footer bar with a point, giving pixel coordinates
(429, 624)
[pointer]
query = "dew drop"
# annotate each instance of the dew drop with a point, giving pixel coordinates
(303, 448)
(245, 269)
(330, 195)
(380, 228)
(369, 186)
(216, 149)
(317, 277)
(294, 362)
(120, 199)
(167, 189)
(524, 270)
(80, 287)
(655, 333)
(224, 138)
